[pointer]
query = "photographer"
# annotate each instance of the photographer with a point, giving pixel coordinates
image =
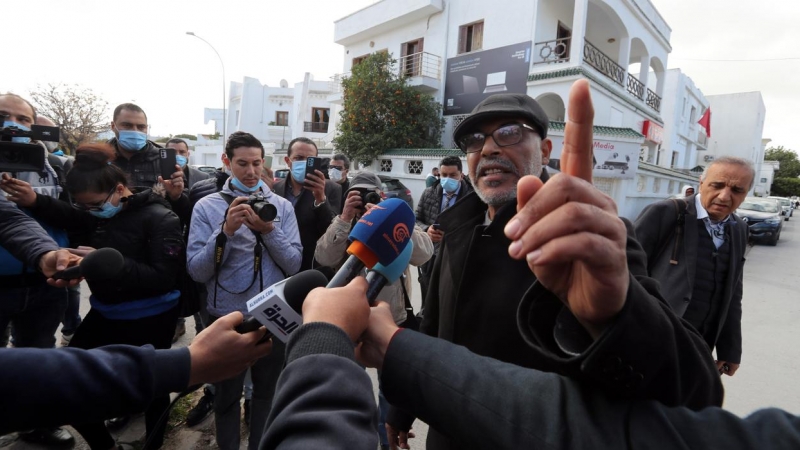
(253, 253)
(33, 307)
(332, 251)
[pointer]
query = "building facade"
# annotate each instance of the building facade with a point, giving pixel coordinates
(462, 52)
(685, 140)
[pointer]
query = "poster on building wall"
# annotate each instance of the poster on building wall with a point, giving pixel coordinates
(475, 76)
(612, 159)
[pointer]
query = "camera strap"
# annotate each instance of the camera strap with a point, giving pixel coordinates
(219, 251)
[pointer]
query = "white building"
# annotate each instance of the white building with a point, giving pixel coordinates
(737, 126)
(462, 52)
(682, 108)
(764, 179)
(274, 115)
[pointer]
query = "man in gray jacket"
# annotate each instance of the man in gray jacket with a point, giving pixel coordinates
(224, 224)
(695, 249)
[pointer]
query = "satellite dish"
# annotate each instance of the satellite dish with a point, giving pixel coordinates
(284, 84)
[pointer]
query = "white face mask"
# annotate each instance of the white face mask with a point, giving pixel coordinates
(335, 174)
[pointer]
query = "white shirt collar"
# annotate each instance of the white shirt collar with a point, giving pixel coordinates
(702, 213)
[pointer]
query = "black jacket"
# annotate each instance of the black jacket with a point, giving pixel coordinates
(194, 176)
(475, 297)
(210, 185)
(430, 203)
(312, 222)
(147, 234)
(21, 235)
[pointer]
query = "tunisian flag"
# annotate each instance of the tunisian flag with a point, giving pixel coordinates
(706, 122)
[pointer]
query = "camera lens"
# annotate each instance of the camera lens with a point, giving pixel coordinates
(266, 211)
(371, 197)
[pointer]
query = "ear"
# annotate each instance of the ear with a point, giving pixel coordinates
(287, 161)
(546, 147)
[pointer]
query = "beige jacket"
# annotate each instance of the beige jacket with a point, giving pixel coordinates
(332, 251)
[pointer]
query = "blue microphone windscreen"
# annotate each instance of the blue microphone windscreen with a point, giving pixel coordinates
(396, 268)
(385, 229)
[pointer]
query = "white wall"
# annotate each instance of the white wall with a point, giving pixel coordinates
(680, 130)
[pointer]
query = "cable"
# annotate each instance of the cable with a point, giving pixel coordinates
(737, 60)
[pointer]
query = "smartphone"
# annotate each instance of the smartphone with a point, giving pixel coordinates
(437, 227)
(313, 163)
(168, 163)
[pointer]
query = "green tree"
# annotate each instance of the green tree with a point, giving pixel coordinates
(785, 187)
(790, 165)
(192, 137)
(381, 111)
(78, 112)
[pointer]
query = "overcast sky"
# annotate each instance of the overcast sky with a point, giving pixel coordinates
(138, 51)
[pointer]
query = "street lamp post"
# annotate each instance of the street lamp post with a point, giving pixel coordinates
(224, 99)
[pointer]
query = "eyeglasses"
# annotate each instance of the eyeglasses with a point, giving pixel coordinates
(339, 168)
(504, 136)
(92, 207)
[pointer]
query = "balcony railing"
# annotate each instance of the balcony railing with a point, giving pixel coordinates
(549, 52)
(335, 83)
(600, 61)
(315, 127)
(635, 87)
(421, 64)
(653, 100)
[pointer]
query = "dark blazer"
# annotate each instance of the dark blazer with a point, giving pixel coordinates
(193, 175)
(656, 229)
(312, 221)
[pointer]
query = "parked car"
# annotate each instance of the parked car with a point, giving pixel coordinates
(763, 217)
(281, 173)
(393, 188)
(206, 169)
(786, 206)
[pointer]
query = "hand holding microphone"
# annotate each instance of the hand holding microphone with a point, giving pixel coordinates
(102, 264)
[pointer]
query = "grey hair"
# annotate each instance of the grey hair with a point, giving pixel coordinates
(735, 161)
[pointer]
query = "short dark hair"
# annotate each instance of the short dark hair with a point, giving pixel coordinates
(451, 161)
(129, 107)
(93, 170)
(304, 140)
(33, 108)
(177, 141)
(343, 158)
(241, 139)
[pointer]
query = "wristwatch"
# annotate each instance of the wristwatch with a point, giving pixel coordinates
(317, 205)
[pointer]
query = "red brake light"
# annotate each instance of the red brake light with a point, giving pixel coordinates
(408, 192)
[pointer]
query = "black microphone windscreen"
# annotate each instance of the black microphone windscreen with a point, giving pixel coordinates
(298, 287)
(102, 264)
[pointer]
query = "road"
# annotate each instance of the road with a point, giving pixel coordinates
(770, 322)
(771, 350)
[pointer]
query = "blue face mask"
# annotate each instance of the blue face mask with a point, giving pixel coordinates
(21, 140)
(449, 184)
(181, 160)
(132, 141)
(241, 187)
(108, 210)
(299, 171)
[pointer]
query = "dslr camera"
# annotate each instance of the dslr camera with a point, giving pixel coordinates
(369, 196)
(266, 211)
(23, 157)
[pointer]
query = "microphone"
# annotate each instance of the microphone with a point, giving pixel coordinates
(101, 264)
(279, 307)
(382, 275)
(380, 236)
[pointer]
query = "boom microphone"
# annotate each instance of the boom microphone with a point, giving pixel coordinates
(380, 236)
(383, 275)
(101, 264)
(279, 307)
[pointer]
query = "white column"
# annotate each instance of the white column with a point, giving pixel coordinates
(660, 85)
(624, 57)
(578, 32)
(644, 71)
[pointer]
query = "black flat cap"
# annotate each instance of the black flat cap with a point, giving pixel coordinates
(505, 105)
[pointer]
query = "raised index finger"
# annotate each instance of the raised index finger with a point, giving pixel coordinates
(576, 156)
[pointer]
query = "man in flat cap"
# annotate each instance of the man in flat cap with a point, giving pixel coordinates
(547, 276)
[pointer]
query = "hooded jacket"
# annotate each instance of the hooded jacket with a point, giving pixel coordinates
(281, 256)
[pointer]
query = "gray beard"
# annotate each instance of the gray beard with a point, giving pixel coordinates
(501, 198)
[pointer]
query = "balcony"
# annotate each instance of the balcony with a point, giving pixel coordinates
(423, 70)
(557, 51)
(315, 127)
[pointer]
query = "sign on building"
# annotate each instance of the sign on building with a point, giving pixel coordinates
(612, 159)
(653, 132)
(475, 76)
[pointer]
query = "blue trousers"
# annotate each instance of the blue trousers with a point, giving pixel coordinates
(34, 312)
